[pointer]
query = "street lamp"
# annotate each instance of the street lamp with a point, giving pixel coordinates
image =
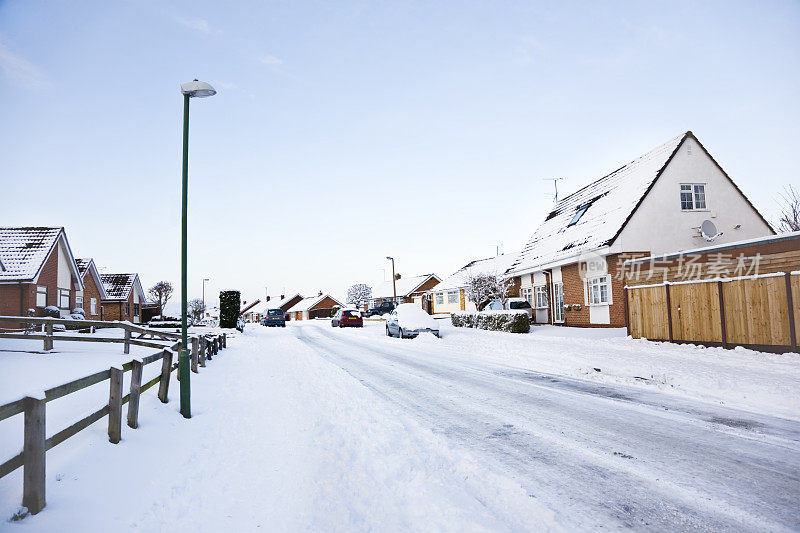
(204, 293)
(394, 280)
(192, 89)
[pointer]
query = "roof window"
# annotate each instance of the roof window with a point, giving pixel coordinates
(578, 214)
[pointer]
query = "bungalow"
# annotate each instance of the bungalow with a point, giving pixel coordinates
(451, 294)
(94, 292)
(283, 303)
(320, 306)
(37, 270)
(412, 289)
(675, 197)
(124, 297)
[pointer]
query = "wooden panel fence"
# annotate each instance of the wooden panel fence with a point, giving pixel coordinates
(759, 312)
(33, 408)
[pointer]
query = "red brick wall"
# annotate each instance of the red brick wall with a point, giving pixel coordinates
(10, 299)
(90, 291)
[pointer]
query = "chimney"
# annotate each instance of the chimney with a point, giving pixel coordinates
(267, 298)
(320, 293)
(282, 296)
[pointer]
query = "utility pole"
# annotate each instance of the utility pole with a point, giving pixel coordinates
(204, 293)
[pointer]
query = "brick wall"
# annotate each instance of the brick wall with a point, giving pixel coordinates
(90, 291)
(10, 299)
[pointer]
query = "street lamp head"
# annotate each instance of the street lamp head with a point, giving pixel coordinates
(390, 258)
(197, 89)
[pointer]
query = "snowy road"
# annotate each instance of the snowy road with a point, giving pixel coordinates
(599, 455)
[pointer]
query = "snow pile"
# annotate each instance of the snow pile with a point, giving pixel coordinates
(412, 316)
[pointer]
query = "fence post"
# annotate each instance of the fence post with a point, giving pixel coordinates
(224, 340)
(627, 313)
(136, 389)
(722, 316)
(115, 406)
(48, 341)
(216, 345)
(34, 455)
(127, 341)
(210, 347)
(166, 370)
(790, 302)
(195, 343)
(202, 341)
(669, 312)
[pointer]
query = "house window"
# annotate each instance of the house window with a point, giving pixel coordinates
(63, 298)
(135, 309)
(541, 297)
(452, 297)
(440, 298)
(598, 291)
(79, 299)
(127, 308)
(93, 306)
(527, 293)
(41, 296)
(578, 214)
(558, 302)
(693, 196)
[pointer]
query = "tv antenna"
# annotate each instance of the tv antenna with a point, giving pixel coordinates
(555, 186)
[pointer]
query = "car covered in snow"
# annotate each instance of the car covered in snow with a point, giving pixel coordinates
(409, 320)
(274, 318)
(348, 317)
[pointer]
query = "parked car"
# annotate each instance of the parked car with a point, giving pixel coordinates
(381, 309)
(348, 317)
(274, 318)
(409, 320)
(512, 304)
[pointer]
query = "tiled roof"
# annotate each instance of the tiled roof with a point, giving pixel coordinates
(607, 204)
(307, 303)
(118, 286)
(23, 251)
(460, 279)
(405, 286)
(83, 264)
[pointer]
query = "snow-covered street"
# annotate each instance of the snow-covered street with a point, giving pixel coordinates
(315, 428)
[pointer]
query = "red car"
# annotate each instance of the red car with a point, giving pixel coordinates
(347, 318)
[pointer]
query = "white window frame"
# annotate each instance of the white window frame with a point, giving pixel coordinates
(79, 301)
(558, 302)
(695, 191)
(93, 306)
(527, 293)
(597, 297)
(452, 297)
(439, 298)
(63, 293)
(540, 297)
(41, 291)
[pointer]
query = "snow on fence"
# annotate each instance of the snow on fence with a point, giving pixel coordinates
(759, 312)
(36, 443)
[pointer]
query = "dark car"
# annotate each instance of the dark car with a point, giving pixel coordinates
(382, 308)
(347, 318)
(274, 318)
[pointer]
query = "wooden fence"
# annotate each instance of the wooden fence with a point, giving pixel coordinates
(36, 443)
(759, 312)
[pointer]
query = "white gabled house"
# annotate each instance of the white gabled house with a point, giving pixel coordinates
(655, 204)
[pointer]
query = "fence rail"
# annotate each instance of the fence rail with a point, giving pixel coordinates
(36, 443)
(758, 312)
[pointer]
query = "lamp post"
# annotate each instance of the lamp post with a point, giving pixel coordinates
(394, 280)
(192, 89)
(204, 293)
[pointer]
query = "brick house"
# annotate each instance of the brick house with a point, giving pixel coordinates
(283, 303)
(94, 292)
(37, 269)
(451, 294)
(125, 297)
(409, 290)
(320, 306)
(667, 200)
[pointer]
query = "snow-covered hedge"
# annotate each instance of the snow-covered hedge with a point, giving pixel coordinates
(510, 321)
(230, 303)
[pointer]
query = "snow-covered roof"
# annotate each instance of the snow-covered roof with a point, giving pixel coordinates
(307, 303)
(607, 205)
(24, 251)
(278, 304)
(119, 286)
(405, 286)
(86, 264)
(493, 265)
(83, 264)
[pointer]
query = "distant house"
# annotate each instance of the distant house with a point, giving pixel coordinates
(411, 289)
(37, 270)
(283, 303)
(667, 200)
(451, 294)
(94, 292)
(124, 297)
(252, 314)
(320, 306)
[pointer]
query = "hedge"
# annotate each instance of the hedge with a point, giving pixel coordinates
(510, 321)
(229, 304)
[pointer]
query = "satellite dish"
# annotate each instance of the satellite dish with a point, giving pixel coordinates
(709, 231)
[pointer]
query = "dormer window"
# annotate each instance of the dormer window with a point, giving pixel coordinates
(693, 196)
(578, 214)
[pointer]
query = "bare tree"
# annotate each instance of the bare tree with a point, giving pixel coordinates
(790, 214)
(161, 293)
(197, 309)
(359, 294)
(484, 288)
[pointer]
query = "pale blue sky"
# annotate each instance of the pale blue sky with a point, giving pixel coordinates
(434, 122)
